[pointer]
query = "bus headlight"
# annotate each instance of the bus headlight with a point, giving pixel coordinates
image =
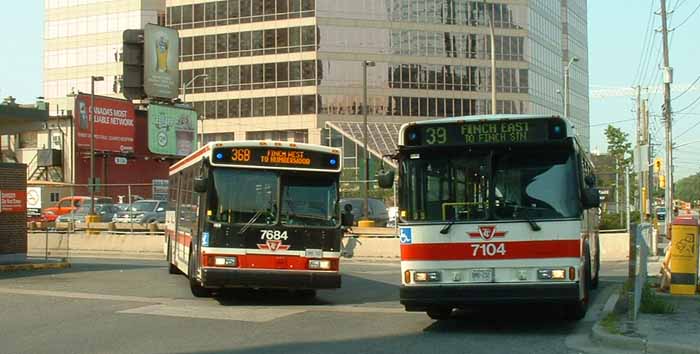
(551, 274)
(226, 261)
(319, 264)
(420, 277)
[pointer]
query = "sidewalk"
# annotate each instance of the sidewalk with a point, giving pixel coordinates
(33, 263)
(676, 333)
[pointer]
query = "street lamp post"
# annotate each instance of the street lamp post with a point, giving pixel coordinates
(566, 85)
(184, 96)
(365, 64)
(92, 142)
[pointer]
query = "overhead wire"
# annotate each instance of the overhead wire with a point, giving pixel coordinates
(687, 18)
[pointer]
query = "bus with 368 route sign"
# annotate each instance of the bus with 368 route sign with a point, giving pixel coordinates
(495, 209)
(255, 214)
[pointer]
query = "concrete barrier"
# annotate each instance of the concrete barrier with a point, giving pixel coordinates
(614, 246)
(97, 245)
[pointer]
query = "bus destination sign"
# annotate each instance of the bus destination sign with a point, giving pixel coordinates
(264, 156)
(487, 132)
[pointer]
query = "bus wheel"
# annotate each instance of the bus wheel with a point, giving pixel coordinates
(577, 310)
(172, 269)
(197, 289)
(440, 313)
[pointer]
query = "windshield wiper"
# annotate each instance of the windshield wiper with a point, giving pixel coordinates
(533, 225)
(250, 222)
(446, 229)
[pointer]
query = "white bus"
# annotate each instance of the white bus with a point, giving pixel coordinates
(256, 214)
(495, 209)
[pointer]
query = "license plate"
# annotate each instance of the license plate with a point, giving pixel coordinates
(481, 275)
(314, 253)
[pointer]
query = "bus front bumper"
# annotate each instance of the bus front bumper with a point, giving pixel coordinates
(421, 298)
(269, 278)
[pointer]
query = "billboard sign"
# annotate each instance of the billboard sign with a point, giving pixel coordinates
(12, 201)
(161, 56)
(114, 124)
(171, 130)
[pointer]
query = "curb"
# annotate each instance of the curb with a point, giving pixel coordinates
(33, 266)
(617, 341)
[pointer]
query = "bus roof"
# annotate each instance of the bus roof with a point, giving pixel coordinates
(206, 150)
(483, 118)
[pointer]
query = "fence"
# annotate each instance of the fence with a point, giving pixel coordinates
(642, 237)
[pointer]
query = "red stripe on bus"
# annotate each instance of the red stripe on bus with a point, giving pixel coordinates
(184, 161)
(475, 251)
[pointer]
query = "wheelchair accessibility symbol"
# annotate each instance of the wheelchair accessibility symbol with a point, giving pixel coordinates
(405, 235)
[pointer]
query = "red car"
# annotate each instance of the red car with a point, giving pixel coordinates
(69, 204)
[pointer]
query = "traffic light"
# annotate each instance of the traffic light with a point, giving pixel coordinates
(132, 58)
(657, 165)
(662, 181)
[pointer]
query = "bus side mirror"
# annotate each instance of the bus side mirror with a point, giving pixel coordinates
(591, 198)
(590, 180)
(385, 178)
(346, 218)
(200, 184)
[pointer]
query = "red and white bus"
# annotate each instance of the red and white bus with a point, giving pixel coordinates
(256, 214)
(495, 209)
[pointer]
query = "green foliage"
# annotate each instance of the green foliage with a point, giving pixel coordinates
(611, 221)
(618, 146)
(688, 188)
(611, 323)
(653, 303)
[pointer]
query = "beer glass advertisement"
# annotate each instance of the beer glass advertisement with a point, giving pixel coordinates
(171, 130)
(161, 50)
(114, 124)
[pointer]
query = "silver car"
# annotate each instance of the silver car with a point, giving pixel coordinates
(143, 212)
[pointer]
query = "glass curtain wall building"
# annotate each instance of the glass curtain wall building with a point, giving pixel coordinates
(291, 69)
(83, 38)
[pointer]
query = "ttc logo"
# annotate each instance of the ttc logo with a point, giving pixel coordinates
(405, 235)
(487, 233)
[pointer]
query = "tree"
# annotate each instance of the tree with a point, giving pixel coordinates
(620, 149)
(688, 188)
(618, 146)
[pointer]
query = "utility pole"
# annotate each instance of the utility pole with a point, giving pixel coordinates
(640, 142)
(617, 191)
(668, 79)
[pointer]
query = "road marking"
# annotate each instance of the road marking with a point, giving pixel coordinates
(86, 296)
(212, 309)
(232, 313)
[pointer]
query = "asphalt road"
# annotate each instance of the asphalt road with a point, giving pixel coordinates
(127, 306)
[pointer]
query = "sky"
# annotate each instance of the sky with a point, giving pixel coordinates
(623, 51)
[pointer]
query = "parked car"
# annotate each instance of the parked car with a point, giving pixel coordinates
(661, 213)
(69, 204)
(105, 211)
(143, 212)
(377, 210)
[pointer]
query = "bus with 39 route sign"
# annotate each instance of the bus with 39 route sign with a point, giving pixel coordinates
(255, 214)
(495, 209)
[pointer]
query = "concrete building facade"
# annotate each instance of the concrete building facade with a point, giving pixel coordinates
(282, 69)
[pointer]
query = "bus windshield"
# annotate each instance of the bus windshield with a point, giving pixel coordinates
(243, 196)
(490, 185)
(309, 201)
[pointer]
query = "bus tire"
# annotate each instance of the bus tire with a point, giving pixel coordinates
(577, 310)
(596, 279)
(197, 289)
(439, 313)
(172, 269)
